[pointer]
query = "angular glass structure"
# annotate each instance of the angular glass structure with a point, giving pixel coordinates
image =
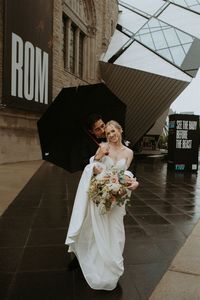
(157, 60)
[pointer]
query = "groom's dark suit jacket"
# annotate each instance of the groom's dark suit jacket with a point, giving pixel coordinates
(89, 148)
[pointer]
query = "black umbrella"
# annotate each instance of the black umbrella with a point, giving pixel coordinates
(61, 126)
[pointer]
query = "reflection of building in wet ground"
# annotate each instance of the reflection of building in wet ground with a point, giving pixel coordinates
(34, 259)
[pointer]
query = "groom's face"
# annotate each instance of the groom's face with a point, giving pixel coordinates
(98, 129)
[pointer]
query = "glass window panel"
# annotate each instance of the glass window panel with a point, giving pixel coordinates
(146, 26)
(187, 47)
(165, 53)
(156, 25)
(191, 2)
(196, 8)
(185, 38)
(159, 40)
(154, 29)
(166, 40)
(180, 2)
(144, 30)
(178, 55)
(153, 24)
(146, 39)
(137, 37)
(163, 25)
(171, 37)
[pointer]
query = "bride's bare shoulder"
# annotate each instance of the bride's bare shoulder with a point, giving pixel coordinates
(129, 151)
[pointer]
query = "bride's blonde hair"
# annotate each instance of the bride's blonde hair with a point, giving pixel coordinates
(115, 124)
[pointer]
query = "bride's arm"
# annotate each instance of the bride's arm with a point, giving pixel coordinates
(129, 157)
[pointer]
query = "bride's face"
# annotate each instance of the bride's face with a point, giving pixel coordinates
(113, 134)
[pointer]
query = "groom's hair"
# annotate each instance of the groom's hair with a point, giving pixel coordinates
(91, 120)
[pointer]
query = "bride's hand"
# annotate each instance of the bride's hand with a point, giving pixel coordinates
(131, 183)
(104, 148)
(97, 170)
(102, 151)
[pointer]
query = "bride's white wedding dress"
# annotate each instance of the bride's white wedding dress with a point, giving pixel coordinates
(97, 240)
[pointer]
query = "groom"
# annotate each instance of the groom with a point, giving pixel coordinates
(95, 135)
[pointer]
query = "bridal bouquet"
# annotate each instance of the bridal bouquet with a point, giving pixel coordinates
(109, 189)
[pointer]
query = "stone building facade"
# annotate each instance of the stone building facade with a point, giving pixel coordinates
(81, 31)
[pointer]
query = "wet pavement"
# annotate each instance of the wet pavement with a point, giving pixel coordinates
(34, 260)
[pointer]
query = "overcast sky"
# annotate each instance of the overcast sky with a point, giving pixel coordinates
(189, 99)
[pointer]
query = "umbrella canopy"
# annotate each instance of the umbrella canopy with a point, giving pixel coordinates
(61, 127)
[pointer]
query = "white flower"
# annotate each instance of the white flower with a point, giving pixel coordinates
(114, 187)
(105, 195)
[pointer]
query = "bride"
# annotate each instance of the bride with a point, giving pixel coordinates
(98, 239)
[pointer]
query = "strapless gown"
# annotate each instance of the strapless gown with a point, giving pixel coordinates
(97, 240)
